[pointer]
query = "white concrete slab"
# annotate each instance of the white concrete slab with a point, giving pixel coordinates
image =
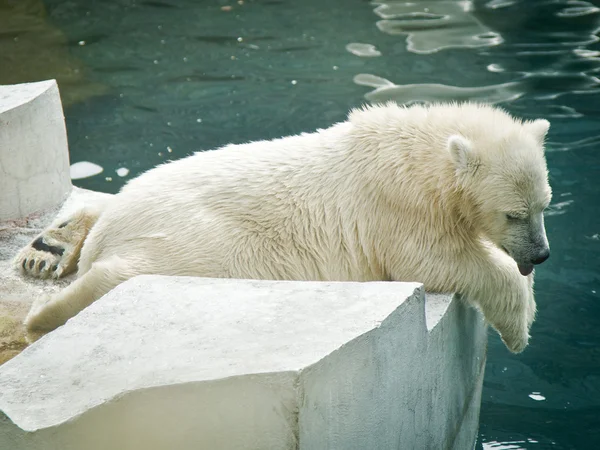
(34, 161)
(202, 363)
(400, 386)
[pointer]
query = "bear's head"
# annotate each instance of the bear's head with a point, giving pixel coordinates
(504, 176)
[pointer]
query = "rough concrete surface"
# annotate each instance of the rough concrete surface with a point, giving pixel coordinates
(238, 364)
(17, 292)
(34, 186)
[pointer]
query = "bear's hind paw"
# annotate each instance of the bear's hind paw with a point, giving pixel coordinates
(50, 255)
(40, 263)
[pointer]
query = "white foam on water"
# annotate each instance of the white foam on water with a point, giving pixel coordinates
(537, 396)
(122, 171)
(84, 169)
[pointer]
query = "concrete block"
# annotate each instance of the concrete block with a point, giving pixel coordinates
(34, 158)
(191, 363)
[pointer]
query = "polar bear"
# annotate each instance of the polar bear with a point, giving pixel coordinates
(450, 195)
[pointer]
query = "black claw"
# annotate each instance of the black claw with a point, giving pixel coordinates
(24, 265)
(31, 264)
(64, 224)
(42, 265)
(53, 268)
(40, 245)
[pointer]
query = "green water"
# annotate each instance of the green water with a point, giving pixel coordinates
(148, 81)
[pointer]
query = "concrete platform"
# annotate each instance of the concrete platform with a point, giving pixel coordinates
(190, 363)
(34, 167)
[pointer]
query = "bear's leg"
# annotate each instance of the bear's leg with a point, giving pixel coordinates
(50, 312)
(55, 252)
(489, 279)
(506, 300)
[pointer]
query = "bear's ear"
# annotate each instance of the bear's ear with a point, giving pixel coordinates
(538, 129)
(461, 151)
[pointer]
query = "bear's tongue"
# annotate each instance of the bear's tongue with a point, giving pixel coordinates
(525, 269)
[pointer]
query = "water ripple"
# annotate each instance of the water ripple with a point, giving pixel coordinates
(432, 26)
(558, 209)
(577, 11)
(497, 4)
(509, 445)
(364, 50)
(385, 90)
(592, 141)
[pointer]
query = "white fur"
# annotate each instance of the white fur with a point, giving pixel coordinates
(394, 193)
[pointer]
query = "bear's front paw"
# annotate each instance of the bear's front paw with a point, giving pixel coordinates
(514, 327)
(514, 322)
(530, 305)
(516, 342)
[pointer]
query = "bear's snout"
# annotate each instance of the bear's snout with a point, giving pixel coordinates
(541, 257)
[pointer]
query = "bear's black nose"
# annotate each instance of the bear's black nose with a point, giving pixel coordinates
(543, 256)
